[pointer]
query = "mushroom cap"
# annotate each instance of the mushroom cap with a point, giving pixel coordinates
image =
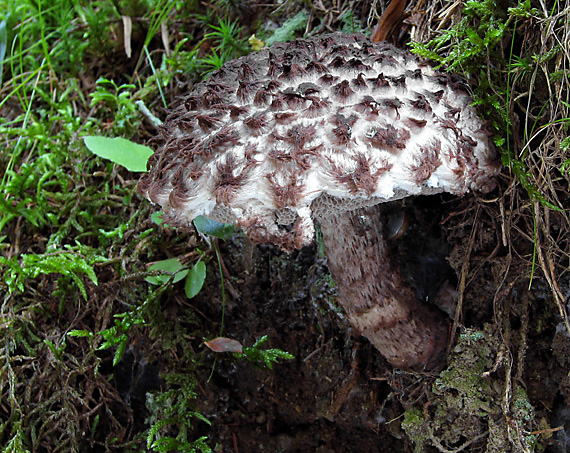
(312, 127)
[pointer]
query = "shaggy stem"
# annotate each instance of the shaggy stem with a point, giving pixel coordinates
(408, 333)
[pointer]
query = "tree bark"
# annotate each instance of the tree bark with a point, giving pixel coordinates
(406, 331)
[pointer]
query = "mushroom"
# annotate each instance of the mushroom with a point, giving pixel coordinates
(323, 129)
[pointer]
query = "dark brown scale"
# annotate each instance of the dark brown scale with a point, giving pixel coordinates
(453, 112)
(155, 189)
(272, 69)
(456, 83)
(368, 49)
(302, 45)
(186, 147)
(192, 102)
(250, 151)
(279, 102)
(416, 74)
(201, 149)
(210, 98)
(468, 140)
(293, 99)
(256, 122)
(179, 196)
(291, 72)
(246, 90)
(145, 182)
(398, 81)
(413, 122)
(355, 64)
(314, 67)
(339, 50)
(343, 132)
(298, 136)
(342, 90)
(246, 72)
(285, 117)
(393, 104)
(340, 119)
(308, 88)
(275, 136)
(303, 156)
(273, 85)
(369, 106)
(359, 82)
(194, 173)
(327, 79)
(441, 79)
(421, 103)
(218, 87)
(227, 136)
(429, 163)
(221, 107)
(454, 155)
(450, 124)
(338, 62)
(384, 59)
(227, 184)
(279, 154)
(186, 124)
(389, 138)
(318, 106)
(285, 196)
(176, 178)
(437, 95)
(362, 178)
(207, 122)
(262, 97)
(236, 111)
(327, 42)
(378, 81)
(342, 135)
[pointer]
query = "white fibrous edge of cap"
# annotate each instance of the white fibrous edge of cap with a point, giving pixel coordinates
(271, 152)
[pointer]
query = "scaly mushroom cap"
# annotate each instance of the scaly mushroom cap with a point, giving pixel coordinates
(299, 130)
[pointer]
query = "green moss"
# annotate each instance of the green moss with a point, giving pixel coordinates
(415, 428)
(467, 402)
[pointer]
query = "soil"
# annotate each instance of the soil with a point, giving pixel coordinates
(340, 395)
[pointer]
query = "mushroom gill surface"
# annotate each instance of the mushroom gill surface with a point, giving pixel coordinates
(322, 129)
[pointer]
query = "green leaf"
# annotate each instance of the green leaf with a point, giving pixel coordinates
(195, 279)
(212, 228)
(130, 155)
(80, 333)
(172, 266)
(264, 357)
(3, 45)
(156, 218)
(289, 28)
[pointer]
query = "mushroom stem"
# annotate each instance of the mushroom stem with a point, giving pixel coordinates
(407, 332)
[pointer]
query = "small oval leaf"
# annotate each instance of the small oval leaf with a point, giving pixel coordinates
(130, 155)
(195, 279)
(222, 344)
(212, 228)
(172, 266)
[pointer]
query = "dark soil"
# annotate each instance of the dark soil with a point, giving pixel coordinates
(338, 394)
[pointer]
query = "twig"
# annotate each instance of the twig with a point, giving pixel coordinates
(462, 281)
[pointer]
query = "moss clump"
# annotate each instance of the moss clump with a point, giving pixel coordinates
(414, 427)
(467, 403)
